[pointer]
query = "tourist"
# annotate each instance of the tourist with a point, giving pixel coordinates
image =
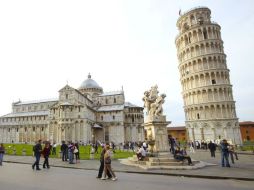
(37, 153)
(76, 152)
(45, 153)
(212, 148)
(64, 151)
(141, 153)
(191, 145)
(96, 148)
(54, 149)
(172, 144)
(71, 148)
(232, 152)
(144, 145)
(224, 153)
(102, 164)
(107, 164)
(181, 155)
(2, 152)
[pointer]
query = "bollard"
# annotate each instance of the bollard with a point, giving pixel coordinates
(92, 156)
(24, 152)
(60, 154)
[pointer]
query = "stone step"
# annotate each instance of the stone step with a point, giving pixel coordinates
(175, 163)
(154, 159)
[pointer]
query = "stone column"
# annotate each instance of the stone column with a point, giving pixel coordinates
(157, 132)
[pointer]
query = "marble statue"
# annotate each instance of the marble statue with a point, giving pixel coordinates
(153, 102)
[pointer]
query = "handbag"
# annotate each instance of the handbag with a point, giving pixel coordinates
(108, 160)
(75, 150)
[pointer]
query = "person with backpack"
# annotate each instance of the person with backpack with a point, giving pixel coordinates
(37, 153)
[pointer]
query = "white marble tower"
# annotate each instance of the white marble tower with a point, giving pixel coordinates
(206, 89)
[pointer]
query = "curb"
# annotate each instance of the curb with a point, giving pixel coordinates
(152, 173)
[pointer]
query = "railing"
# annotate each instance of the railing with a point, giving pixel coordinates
(199, 7)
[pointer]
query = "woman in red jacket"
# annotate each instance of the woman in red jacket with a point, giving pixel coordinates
(46, 152)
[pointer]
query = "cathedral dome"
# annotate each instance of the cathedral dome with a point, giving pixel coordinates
(89, 83)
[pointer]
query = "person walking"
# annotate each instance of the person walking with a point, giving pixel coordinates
(107, 164)
(224, 153)
(46, 153)
(37, 153)
(102, 164)
(2, 152)
(212, 148)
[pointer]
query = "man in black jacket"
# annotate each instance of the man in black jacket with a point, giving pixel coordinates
(37, 153)
(64, 150)
(212, 148)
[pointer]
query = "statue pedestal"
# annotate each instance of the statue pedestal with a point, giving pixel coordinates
(156, 128)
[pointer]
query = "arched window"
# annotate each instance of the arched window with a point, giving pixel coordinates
(205, 33)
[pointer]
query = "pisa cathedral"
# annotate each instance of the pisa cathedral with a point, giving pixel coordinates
(206, 89)
(86, 114)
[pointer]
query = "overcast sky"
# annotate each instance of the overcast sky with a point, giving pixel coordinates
(44, 44)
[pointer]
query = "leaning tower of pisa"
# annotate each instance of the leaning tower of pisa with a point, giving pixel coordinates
(206, 89)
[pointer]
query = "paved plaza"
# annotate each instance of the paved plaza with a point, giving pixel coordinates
(22, 177)
(243, 169)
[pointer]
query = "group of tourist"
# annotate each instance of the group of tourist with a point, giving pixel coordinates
(227, 150)
(68, 151)
(105, 169)
(38, 151)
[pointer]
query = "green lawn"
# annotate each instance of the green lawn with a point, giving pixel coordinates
(247, 146)
(84, 151)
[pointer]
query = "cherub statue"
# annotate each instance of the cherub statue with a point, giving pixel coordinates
(159, 101)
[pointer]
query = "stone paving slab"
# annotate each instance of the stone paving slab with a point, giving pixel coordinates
(243, 169)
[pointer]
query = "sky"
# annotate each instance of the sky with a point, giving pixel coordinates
(46, 44)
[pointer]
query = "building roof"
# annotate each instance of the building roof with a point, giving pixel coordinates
(111, 93)
(97, 126)
(111, 108)
(66, 104)
(246, 123)
(128, 104)
(36, 101)
(176, 128)
(89, 83)
(25, 114)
